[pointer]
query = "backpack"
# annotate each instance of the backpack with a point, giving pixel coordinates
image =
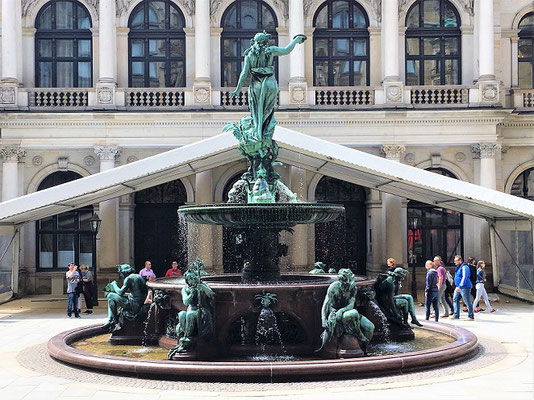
(448, 278)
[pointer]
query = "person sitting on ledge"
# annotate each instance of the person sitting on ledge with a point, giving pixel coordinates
(173, 270)
(147, 272)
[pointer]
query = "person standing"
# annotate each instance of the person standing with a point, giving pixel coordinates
(442, 286)
(463, 289)
(481, 291)
(392, 264)
(173, 270)
(86, 277)
(73, 277)
(147, 272)
(431, 290)
(472, 276)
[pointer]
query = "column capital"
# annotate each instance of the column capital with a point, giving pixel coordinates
(393, 151)
(108, 153)
(486, 150)
(12, 154)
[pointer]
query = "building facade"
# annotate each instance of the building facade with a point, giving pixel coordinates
(89, 85)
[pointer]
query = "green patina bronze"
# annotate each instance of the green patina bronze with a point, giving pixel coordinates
(318, 268)
(126, 302)
(260, 184)
(196, 323)
(339, 315)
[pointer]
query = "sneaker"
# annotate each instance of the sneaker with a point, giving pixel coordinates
(451, 313)
(464, 309)
(476, 311)
(470, 319)
(88, 312)
(453, 317)
(492, 310)
(69, 315)
(78, 316)
(444, 316)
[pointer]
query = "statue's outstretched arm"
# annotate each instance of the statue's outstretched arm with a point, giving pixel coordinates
(283, 51)
(242, 78)
(122, 290)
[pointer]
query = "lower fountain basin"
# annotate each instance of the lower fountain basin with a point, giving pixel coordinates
(261, 216)
(463, 346)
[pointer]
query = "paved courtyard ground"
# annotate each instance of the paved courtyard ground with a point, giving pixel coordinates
(503, 368)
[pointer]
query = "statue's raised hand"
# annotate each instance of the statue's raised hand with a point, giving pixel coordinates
(235, 93)
(300, 38)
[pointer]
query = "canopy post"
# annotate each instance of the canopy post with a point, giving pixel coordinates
(493, 252)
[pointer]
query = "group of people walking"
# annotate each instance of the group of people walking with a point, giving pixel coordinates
(468, 282)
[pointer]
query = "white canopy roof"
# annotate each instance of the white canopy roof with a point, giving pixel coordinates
(308, 152)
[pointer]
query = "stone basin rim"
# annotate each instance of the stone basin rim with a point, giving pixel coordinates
(466, 344)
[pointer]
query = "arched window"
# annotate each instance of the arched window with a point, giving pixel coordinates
(156, 45)
(240, 22)
(63, 45)
(433, 230)
(523, 185)
(433, 41)
(342, 243)
(525, 52)
(341, 44)
(67, 237)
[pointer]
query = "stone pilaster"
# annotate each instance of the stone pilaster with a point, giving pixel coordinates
(11, 157)
(488, 86)
(392, 85)
(298, 88)
(202, 83)
(11, 36)
(107, 80)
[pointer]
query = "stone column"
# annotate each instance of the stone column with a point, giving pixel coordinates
(203, 234)
(107, 55)
(390, 53)
(515, 67)
(10, 171)
(298, 250)
(298, 88)
(108, 211)
(395, 229)
(11, 36)
(486, 152)
(487, 84)
(202, 84)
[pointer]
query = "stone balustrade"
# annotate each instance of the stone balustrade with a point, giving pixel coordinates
(523, 98)
(59, 98)
(343, 97)
(155, 97)
(239, 101)
(439, 95)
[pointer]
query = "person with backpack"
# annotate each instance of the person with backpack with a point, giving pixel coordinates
(443, 284)
(463, 289)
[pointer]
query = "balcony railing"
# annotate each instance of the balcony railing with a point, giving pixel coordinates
(155, 97)
(239, 101)
(58, 98)
(439, 95)
(343, 97)
(523, 98)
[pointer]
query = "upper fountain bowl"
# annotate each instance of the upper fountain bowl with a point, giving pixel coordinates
(261, 215)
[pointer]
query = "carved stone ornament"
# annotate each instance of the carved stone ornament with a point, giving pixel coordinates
(37, 161)
(307, 5)
(108, 153)
(486, 150)
(377, 6)
(297, 94)
(283, 5)
(460, 157)
(490, 92)
(202, 95)
(89, 160)
(105, 95)
(469, 6)
(393, 151)
(131, 159)
(214, 7)
(124, 5)
(393, 93)
(7, 95)
(409, 158)
(13, 154)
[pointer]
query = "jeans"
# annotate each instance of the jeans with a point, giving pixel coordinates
(465, 294)
(444, 300)
(72, 304)
(432, 298)
(481, 292)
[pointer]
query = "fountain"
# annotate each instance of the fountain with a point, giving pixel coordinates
(261, 324)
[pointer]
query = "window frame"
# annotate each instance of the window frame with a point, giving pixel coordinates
(77, 232)
(526, 33)
(240, 34)
(146, 34)
(55, 34)
(334, 33)
(442, 33)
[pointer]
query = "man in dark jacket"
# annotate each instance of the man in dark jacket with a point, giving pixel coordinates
(431, 290)
(463, 289)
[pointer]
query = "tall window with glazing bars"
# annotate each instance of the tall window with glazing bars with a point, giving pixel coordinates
(433, 40)
(156, 45)
(63, 46)
(240, 22)
(525, 52)
(341, 44)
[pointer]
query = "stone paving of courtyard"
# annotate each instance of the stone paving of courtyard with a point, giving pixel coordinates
(503, 368)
